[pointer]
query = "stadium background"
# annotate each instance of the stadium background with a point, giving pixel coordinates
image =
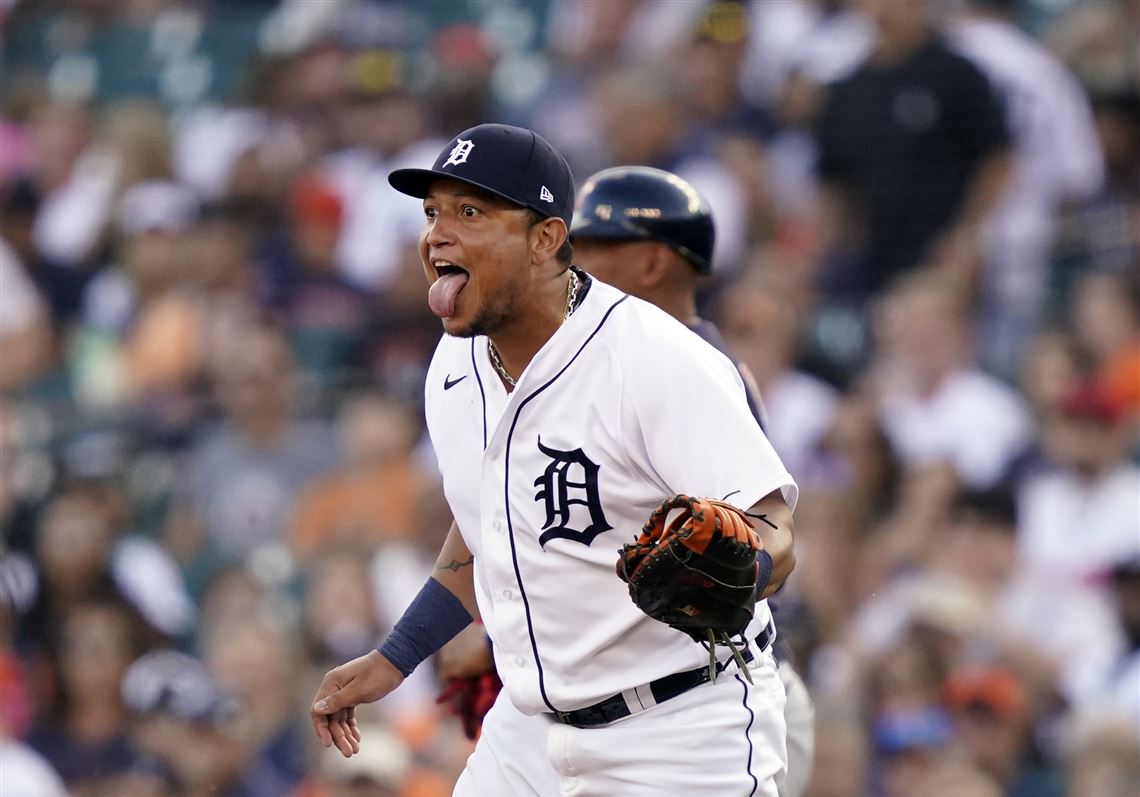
(213, 336)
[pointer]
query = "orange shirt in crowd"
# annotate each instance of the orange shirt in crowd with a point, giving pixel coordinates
(360, 505)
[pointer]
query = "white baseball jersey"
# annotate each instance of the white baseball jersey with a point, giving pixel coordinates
(620, 409)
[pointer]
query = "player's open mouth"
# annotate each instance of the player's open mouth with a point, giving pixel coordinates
(450, 280)
(447, 267)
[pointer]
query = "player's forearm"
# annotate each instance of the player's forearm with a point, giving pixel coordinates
(455, 569)
(773, 522)
(443, 608)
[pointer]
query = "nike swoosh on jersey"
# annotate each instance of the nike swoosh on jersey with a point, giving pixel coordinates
(449, 383)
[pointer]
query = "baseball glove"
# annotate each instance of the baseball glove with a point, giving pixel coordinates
(698, 574)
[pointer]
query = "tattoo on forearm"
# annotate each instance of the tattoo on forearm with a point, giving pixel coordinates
(762, 517)
(455, 564)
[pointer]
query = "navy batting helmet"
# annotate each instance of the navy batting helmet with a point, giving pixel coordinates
(637, 202)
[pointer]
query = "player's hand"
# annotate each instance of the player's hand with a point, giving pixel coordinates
(468, 655)
(363, 680)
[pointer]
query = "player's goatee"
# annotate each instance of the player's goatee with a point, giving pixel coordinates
(490, 318)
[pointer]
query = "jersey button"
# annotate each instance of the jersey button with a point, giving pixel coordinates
(520, 661)
(508, 595)
(497, 526)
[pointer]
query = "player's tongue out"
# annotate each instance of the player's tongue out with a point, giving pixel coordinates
(441, 295)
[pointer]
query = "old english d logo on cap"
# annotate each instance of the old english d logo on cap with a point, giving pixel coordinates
(459, 152)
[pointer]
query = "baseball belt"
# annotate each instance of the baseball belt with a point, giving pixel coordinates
(632, 701)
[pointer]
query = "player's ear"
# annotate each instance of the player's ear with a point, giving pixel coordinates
(546, 238)
(656, 264)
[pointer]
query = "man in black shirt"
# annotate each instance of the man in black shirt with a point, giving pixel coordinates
(913, 151)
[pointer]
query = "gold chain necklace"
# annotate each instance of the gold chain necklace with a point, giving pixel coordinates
(571, 297)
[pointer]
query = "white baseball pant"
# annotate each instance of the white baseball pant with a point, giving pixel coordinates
(722, 738)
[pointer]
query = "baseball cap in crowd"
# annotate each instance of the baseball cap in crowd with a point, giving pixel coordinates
(510, 162)
(922, 729)
(157, 206)
(1091, 400)
(991, 690)
(173, 684)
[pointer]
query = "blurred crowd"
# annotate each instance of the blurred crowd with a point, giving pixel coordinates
(214, 332)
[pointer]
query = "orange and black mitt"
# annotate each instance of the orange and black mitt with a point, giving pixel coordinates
(697, 574)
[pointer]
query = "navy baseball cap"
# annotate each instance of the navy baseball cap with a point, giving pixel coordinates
(510, 162)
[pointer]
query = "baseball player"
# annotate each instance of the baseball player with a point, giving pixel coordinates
(563, 412)
(650, 234)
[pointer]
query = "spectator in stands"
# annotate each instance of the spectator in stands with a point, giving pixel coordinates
(911, 748)
(141, 337)
(326, 315)
(1092, 490)
(857, 450)
(935, 404)
(1057, 162)
(913, 156)
(376, 495)
(132, 145)
(241, 479)
(228, 286)
(978, 548)
(254, 661)
(1106, 322)
(340, 613)
(992, 714)
(711, 65)
(75, 553)
(183, 719)
(84, 735)
(384, 127)
(646, 121)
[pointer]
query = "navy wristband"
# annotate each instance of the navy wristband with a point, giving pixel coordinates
(429, 623)
(764, 567)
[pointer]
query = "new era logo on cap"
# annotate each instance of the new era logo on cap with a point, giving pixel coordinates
(513, 163)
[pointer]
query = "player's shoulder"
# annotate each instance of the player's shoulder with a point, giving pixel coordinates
(642, 334)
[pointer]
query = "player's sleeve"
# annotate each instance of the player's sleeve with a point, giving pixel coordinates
(685, 414)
